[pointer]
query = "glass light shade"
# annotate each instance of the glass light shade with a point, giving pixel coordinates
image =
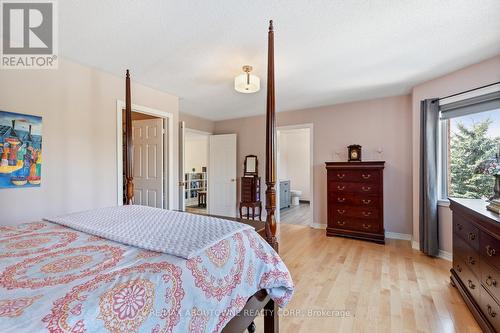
(247, 83)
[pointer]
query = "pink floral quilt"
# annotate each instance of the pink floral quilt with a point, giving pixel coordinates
(56, 279)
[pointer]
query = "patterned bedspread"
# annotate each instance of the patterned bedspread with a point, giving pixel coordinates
(56, 279)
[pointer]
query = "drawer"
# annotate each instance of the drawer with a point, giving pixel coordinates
(356, 224)
(362, 176)
(470, 257)
(490, 279)
(490, 309)
(341, 211)
(336, 188)
(489, 247)
(468, 278)
(354, 200)
(285, 185)
(467, 231)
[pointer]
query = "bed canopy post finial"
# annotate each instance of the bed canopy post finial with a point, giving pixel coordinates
(270, 143)
(129, 179)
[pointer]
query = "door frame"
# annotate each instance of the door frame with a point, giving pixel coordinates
(309, 126)
(207, 134)
(168, 151)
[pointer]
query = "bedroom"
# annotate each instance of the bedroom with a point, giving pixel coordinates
(355, 72)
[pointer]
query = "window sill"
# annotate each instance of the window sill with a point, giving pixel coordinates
(444, 203)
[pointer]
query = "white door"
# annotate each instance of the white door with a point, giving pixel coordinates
(147, 136)
(222, 175)
(182, 155)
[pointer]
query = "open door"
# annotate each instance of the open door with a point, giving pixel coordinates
(222, 175)
(182, 157)
(147, 136)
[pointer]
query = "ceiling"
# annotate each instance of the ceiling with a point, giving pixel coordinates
(327, 51)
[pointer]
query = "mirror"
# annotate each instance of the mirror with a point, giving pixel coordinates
(250, 165)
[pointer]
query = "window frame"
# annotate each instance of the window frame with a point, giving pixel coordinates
(486, 94)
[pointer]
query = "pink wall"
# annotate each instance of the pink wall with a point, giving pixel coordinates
(78, 106)
(467, 78)
(384, 123)
(197, 123)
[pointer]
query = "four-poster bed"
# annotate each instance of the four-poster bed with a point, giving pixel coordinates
(134, 268)
(260, 300)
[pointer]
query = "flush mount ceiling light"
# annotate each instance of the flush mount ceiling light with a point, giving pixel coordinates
(247, 83)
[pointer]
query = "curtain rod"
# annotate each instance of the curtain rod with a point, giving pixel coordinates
(464, 92)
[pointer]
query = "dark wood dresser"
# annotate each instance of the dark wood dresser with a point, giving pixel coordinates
(476, 260)
(356, 200)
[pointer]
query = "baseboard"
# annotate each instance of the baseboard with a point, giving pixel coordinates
(445, 255)
(397, 235)
(318, 226)
(415, 245)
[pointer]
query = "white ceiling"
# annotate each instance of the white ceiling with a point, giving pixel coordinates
(327, 51)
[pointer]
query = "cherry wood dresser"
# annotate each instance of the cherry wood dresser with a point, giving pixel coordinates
(356, 200)
(476, 260)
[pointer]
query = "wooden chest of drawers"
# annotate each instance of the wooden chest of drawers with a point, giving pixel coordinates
(355, 200)
(476, 260)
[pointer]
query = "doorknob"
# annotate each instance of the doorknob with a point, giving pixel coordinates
(233, 180)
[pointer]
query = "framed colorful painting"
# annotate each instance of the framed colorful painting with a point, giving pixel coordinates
(20, 150)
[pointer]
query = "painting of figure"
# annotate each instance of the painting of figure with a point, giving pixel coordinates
(20, 150)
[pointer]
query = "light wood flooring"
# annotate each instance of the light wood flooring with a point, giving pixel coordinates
(301, 214)
(390, 288)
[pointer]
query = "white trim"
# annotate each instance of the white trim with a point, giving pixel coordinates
(470, 94)
(310, 126)
(397, 235)
(444, 202)
(318, 226)
(415, 245)
(169, 146)
(187, 129)
(445, 255)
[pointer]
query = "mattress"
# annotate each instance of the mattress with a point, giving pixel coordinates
(57, 279)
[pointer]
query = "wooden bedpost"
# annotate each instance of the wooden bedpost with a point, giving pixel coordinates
(271, 319)
(270, 143)
(129, 193)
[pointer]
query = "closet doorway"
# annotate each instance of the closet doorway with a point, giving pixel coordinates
(295, 174)
(152, 159)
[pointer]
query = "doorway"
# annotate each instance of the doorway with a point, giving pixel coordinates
(195, 171)
(295, 174)
(152, 158)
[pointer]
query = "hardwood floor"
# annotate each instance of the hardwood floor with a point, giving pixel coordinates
(390, 288)
(301, 214)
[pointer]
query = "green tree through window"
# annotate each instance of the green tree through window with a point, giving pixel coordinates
(469, 146)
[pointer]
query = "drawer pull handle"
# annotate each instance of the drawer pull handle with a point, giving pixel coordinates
(367, 213)
(366, 188)
(341, 176)
(491, 282)
(460, 226)
(341, 222)
(471, 285)
(366, 176)
(471, 260)
(490, 251)
(366, 226)
(459, 269)
(367, 201)
(472, 236)
(340, 199)
(491, 312)
(341, 187)
(341, 211)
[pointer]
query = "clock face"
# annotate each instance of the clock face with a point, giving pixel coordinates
(354, 154)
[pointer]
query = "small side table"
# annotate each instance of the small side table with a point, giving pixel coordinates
(248, 206)
(202, 199)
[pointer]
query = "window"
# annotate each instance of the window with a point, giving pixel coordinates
(469, 134)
